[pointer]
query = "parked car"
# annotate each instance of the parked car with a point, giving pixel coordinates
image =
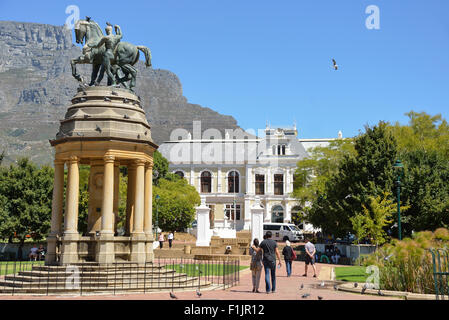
(283, 231)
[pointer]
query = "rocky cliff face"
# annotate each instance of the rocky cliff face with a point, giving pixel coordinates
(36, 86)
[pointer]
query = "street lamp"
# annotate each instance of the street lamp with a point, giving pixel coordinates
(155, 175)
(399, 168)
(157, 216)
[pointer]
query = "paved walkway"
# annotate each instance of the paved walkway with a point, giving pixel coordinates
(287, 288)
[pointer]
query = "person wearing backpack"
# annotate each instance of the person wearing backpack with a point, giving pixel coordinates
(289, 255)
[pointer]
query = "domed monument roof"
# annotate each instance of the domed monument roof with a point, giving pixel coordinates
(104, 113)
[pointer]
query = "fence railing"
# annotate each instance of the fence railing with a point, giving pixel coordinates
(163, 274)
(440, 261)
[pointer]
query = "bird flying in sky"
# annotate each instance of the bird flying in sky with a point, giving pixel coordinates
(335, 66)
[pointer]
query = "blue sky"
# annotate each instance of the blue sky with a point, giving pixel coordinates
(271, 60)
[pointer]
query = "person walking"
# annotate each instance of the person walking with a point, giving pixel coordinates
(161, 240)
(256, 264)
(310, 257)
(288, 254)
(270, 252)
(170, 239)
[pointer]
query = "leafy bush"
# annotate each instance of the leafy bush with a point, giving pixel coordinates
(407, 265)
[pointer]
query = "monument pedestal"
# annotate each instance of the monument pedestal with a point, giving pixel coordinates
(138, 248)
(105, 249)
(69, 249)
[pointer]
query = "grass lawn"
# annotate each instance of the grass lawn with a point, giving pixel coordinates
(351, 274)
(192, 270)
(7, 267)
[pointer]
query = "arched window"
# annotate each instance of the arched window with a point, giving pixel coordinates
(180, 174)
(277, 214)
(283, 149)
(206, 182)
(274, 150)
(233, 182)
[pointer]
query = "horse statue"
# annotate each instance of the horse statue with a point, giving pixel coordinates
(125, 55)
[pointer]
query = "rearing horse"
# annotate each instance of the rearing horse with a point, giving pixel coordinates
(126, 55)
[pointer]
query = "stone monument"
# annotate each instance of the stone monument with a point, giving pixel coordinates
(105, 127)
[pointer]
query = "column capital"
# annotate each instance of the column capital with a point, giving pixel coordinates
(59, 162)
(139, 162)
(149, 165)
(74, 159)
(108, 158)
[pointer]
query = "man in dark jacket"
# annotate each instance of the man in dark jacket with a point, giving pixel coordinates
(270, 251)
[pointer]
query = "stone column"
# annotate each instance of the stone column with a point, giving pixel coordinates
(257, 221)
(137, 235)
(116, 193)
(148, 212)
(130, 198)
(203, 228)
(105, 244)
(56, 212)
(269, 185)
(219, 181)
(69, 252)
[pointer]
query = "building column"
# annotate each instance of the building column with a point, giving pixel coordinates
(56, 212)
(130, 197)
(105, 244)
(204, 233)
(257, 221)
(116, 194)
(107, 214)
(137, 235)
(148, 212)
(219, 180)
(69, 252)
(269, 185)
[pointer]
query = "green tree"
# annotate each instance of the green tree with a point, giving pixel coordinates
(423, 147)
(367, 173)
(25, 197)
(176, 206)
(425, 189)
(313, 172)
(160, 165)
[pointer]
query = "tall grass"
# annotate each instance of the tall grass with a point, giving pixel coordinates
(407, 265)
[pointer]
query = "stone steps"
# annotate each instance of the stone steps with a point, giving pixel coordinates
(149, 287)
(98, 278)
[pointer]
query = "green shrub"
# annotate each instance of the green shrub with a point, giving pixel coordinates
(407, 265)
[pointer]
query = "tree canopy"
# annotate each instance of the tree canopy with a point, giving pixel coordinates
(342, 183)
(25, 200)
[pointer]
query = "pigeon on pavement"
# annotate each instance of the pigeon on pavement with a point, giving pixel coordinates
(172, 295)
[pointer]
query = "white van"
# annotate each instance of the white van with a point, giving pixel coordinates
(283, 231)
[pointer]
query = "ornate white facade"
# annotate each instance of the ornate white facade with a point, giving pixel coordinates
(239, 168)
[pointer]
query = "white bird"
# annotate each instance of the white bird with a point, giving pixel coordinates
(335, 66)
(322, 284)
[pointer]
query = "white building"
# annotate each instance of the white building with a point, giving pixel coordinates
(233, 171)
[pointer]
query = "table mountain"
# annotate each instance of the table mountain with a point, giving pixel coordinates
(36, 86)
